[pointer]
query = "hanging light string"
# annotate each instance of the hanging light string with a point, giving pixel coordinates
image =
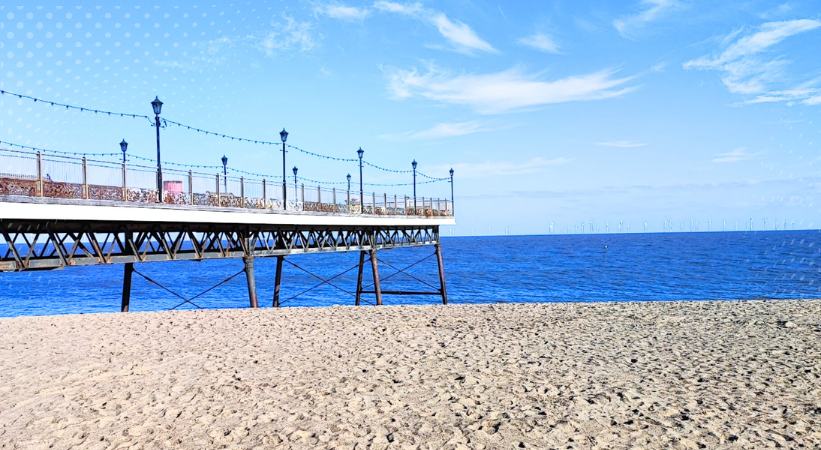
(166, 122)
(385, 169)
(56, 152)
(73, 107)
(200, 166)
(319, 155)
(217, 134)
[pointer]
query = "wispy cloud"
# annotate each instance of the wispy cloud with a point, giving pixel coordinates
(733, 156)
(443, 130)
(541, 42)
(342, 12)
(743, 69)
(291, 35)
(651, 10)
(502, 168)
(509, 90)
(460, 35)
(408, 9)
(621, 144)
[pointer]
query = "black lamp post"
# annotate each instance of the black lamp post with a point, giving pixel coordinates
(452, 209)
(283, 135)
(157, 106)
(225, 173)
(349, 191)
(361, 152)
(414, 185)
(296, 196)
(123, 148)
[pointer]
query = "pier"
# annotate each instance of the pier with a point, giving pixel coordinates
(59, 211)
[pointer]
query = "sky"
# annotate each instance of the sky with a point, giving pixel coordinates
(557, 117)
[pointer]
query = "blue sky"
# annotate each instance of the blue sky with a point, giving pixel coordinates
(556, 116)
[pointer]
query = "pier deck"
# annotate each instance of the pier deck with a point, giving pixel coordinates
(52, 222)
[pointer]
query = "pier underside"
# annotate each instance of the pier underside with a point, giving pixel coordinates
(34, 242)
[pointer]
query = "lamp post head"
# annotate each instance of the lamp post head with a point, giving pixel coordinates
(360, 152)
(157, 105)
(451, 173)
(283, 135)
(224, 161)
(295, 171)
(414, 164)
(123, 145)
(348, 177)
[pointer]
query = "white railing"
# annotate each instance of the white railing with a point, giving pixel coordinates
(35, 174)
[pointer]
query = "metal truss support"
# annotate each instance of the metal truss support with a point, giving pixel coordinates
(249, 276)
(441, 264)
(440, 291)
(39, 245)
(278, 281)
(377, 286)
(359, 278)
(128, 271)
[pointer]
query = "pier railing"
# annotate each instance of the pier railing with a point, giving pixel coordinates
(36, 174)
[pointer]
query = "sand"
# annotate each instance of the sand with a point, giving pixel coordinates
(609, 375)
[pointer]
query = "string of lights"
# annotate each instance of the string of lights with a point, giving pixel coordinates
(56, 152)
(319, 155)
(385, 169)
(430, 177)
(165, 122)
(204, 166)
(72, 107)
(217, 134)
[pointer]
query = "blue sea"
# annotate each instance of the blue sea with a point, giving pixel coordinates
(553, 268)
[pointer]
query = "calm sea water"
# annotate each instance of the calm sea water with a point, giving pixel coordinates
(615, 267)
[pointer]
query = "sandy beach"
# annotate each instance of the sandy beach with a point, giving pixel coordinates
(608, 375)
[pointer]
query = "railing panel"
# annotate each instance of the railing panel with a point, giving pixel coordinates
(33, 174)
(18, 173)
(175, 187)
(141, 184)
(204, 187)
(253, 194)
(104, 180)
(62, 177)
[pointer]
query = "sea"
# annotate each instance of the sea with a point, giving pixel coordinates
(494, 269)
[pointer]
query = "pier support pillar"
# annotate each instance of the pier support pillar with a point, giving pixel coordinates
(377, 287)
(128, 270)
(442, 287)
(359, 278)
(278, 280)
(249, 275)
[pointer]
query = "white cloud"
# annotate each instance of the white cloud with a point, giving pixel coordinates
(816, 100)
(291, 35)
(733, 156)
(408, 9)
(509, 90)
(789, 96)
(502, 168)
(541, 42)
(768, 35)
(621, 144)
(743, 69)
(460, 35)
(652, 10)
(443, 130)
(342, 12)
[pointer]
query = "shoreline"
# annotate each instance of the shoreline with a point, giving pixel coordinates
(681, 374)
(419, 305)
